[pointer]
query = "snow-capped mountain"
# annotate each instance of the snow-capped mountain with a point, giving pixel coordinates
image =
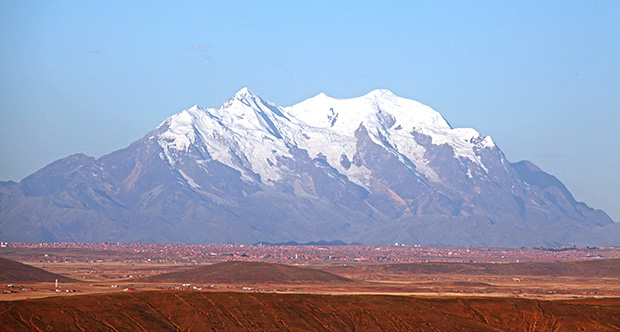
(259, 133)
(375, 169)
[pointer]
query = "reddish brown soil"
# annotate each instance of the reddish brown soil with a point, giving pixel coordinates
(607, 268)
(202, 311)
(16, 272)
(235, 272)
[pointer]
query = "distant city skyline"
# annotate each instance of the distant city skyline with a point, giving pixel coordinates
(541, 78)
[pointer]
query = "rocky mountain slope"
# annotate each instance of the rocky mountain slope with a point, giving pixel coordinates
(377, 169)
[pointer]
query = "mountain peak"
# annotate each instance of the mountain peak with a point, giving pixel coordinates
(245, 97)
(380, 93)
(246, 93)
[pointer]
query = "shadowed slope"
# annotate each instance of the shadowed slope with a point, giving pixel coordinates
(12, 271)
(609, 268)
(198, 311)
(251, 272)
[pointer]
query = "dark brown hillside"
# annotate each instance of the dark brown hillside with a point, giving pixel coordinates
(209, 311)
(236, 272)
(605, 268)
(12, 272)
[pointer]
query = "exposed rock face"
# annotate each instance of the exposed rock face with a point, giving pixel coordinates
(377, 169)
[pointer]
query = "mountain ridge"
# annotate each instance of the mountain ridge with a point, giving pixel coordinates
(376, 169)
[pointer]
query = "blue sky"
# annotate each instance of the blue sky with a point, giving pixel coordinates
(540, 77)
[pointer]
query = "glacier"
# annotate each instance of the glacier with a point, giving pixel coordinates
(256, 131)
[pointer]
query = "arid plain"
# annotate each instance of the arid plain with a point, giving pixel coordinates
(308, 288)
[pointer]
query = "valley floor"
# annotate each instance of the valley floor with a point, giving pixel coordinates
(112, 292)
